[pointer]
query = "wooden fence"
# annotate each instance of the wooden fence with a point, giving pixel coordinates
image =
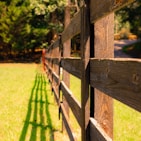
(102, 76)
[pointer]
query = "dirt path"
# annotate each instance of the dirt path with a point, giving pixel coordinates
(118, 44)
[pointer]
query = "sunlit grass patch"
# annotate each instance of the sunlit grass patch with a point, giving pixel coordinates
(15, 86)
(126, 123)
(27, 108)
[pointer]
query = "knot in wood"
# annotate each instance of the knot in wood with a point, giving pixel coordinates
(117, 3)
(135, 79)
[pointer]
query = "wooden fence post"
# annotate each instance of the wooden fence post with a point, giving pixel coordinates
(66, 53)
(43, 58)
(104, 48)
(95, 69)
(56, 71)
(85, 56)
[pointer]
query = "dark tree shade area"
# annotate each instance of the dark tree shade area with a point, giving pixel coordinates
(132, 14)
(27, 25)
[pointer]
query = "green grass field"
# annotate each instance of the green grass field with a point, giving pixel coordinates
(28, 111)
(27, 108)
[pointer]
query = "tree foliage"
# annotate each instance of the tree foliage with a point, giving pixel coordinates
(132, 14)
(28, 24)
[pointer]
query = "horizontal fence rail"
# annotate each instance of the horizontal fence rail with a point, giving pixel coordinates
(102, 76)
(119, 78)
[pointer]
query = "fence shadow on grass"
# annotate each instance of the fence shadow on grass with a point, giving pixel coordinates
(38, 122)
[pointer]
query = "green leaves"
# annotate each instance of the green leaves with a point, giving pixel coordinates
(132, 14)
(27, 24)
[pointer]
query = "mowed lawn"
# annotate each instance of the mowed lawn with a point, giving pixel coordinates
(27, 108)
(28, 111)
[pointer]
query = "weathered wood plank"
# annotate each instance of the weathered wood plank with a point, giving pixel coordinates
(66, 53)
(56, 94)
(104, 48)
(49, 73)
(72, 65)
(46, 65)
(56, 78)
(46, 68)
(100, 9)
(50, 77)
(96, 132)
(53, 60)
(72, 29)
(54, 45)
(50, 70)
(118, 78)
(56, 60)
(55, 52)
(48, 59)
(85, 55)
(73, 103)
(66, 122)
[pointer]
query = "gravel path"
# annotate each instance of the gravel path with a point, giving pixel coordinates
(118, 44)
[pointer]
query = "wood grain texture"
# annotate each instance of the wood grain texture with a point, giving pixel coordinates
(55, 78)
(50, 73)
(66, 53)
(73, 103)
(72, 29)
(96, 132)
(55, 44)
(72, 65)
(119, 78)
(56, 60)
(53, 60)
(99, 9)
(50, 77)
(85, 55)
(104, 37)
(56, 95)
(104, 48)
(108, 78)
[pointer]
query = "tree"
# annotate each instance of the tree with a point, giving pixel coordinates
(28, 24)
(132, 14)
